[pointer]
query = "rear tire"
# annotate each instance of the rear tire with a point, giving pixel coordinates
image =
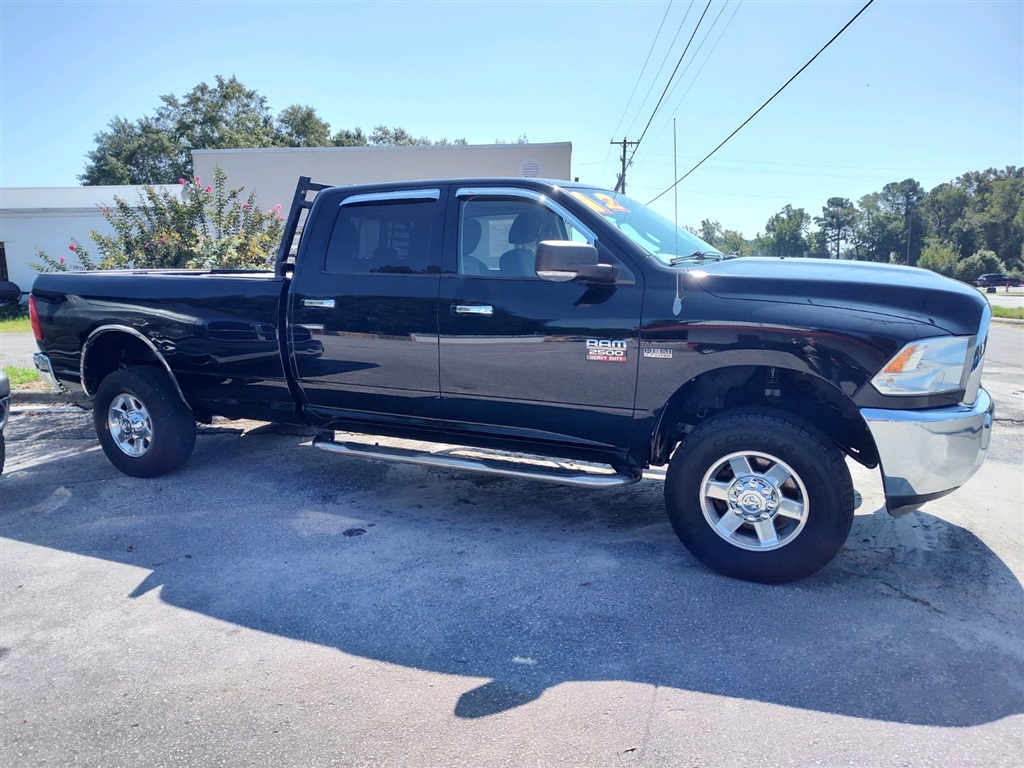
(143, 426)
(760, 495)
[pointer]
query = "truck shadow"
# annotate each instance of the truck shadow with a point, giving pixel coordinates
(530, 586)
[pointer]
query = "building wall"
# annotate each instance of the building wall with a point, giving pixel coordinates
(48, 218)
(272, 173)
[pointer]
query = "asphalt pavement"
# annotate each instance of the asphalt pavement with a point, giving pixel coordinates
(17, 349)
(273, 605)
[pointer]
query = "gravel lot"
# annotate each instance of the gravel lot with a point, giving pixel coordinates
(273, 605)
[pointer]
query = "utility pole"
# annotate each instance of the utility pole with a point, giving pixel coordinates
(620, 185)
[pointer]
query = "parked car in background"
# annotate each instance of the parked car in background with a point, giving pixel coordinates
(995, 279)
(10, 294)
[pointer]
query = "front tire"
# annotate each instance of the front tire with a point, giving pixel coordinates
(760, 495)
(143, 426)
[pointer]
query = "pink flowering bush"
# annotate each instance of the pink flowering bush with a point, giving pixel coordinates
(49, 264)
(203, 227)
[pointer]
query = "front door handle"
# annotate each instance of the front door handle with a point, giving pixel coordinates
(472, 309)
(319, 303)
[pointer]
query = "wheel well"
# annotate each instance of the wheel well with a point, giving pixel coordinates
(111, 351)
(808, 397)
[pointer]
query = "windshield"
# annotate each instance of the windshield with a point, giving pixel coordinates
(651, 231)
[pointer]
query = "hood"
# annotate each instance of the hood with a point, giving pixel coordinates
(886, 289)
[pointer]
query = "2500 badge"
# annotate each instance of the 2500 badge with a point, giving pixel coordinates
(606, 350)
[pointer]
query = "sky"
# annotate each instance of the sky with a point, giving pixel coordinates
(925, 90)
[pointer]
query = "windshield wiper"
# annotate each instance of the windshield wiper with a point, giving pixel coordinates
(696, 256)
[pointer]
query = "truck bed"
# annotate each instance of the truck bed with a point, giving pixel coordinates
(220, 332)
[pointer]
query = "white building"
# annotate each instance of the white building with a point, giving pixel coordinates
(47, 218)
(274, 172)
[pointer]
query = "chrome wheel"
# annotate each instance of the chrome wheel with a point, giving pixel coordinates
(760, 495)
(130, 425)
(145, 428)
(755, 501)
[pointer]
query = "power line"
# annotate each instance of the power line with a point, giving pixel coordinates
(670, 78)
(697, 76)
(664, 61)
(643, 68)
(900, 168)
(758, 110)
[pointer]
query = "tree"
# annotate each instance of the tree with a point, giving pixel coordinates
(299, 126)
(999, 214)
(946, 211)
(980, 210)
(878, 235)
(836, 223)
(226, 115)
(901, 199)
(733, 241)
(725, 240)
(348, 138)
(383, 136)
(939, 256)
(709, 232)
(142, 152)
(970, 225)
(786, 233)
(818, 243)
(157, 149)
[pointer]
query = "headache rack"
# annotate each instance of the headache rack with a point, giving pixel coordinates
(284, 264)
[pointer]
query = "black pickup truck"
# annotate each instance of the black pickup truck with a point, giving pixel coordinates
(522, 318)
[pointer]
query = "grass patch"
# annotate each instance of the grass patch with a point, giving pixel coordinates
(16, 325)
(19, 375)
(1013, 313)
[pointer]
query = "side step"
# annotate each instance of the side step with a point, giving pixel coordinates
(521, 470)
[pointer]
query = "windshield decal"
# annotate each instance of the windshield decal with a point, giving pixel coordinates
(590, 203)
(611, 203)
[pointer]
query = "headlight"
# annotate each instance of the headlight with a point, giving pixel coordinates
(927, 367)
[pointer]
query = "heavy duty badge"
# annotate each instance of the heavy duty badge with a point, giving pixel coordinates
(606, 351)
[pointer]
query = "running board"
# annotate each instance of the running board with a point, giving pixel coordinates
(488, 466)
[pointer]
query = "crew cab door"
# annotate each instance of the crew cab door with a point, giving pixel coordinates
(525, 357)
(363, 305)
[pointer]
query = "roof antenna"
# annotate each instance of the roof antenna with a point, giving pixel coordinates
(677, 305)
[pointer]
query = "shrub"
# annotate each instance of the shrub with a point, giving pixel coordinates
(206, 227)
(971, 268)
(939, 257)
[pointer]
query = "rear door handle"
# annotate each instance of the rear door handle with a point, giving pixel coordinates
(472, 309)
(319, 303)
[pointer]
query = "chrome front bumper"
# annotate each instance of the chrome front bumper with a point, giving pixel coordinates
(928, 454)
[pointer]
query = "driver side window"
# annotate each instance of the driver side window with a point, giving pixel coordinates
(498, 237)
